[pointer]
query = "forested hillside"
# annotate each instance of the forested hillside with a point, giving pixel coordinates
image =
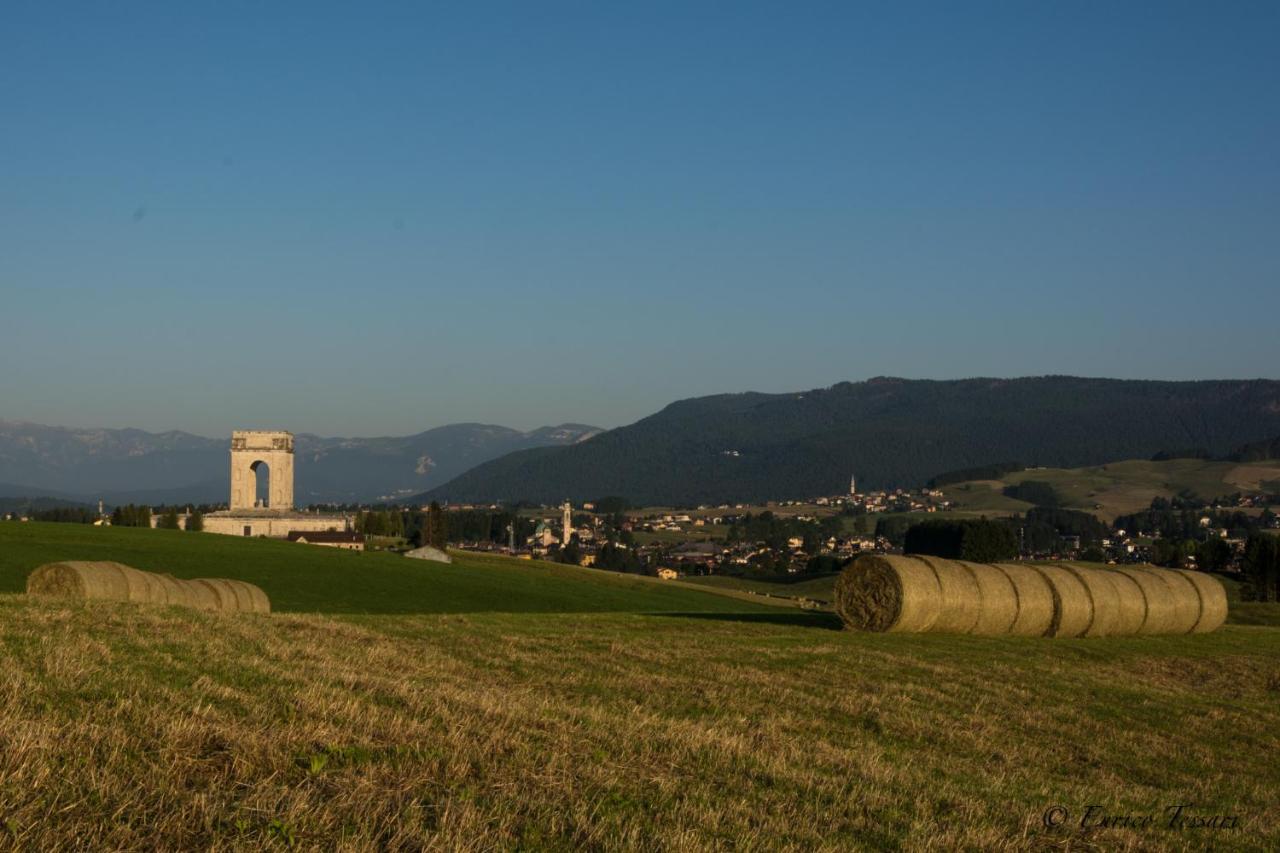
(890, 432)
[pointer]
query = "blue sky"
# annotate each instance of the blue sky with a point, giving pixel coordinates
(368, 219)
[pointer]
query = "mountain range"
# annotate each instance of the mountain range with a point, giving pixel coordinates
(889, 432)
(130, 465)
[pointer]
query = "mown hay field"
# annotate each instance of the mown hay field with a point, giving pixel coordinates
(129, 727)
(126, 726)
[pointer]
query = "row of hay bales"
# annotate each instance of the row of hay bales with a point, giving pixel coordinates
(117, 582)
(930, 594)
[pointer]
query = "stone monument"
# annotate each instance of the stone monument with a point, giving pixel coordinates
(255, 453)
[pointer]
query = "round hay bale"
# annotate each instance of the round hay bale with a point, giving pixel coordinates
(223, 597)
(1184, 597)
(1213, 601)
(887, 593)
(1156, 595)
(960, 606)
(82, 579)
(117, 582)
(1131, 599)
(250, 598)
(141, 590)
(1034, 599)
(201, 595)
(1072, 604)
(1105, 598)
(997, 600)
(170, 590)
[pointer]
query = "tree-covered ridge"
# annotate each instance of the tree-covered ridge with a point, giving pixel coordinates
(889, 432)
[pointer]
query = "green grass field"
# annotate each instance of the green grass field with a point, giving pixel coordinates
(309, 579)
(819, 588)
(387, 716)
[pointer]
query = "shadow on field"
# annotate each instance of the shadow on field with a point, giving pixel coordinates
(810, 619)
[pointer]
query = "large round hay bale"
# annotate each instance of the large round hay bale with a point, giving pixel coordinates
(222, 596)
(140, 589)
(110, 581)
(887, 593)
(1034, 600)
(1213, 601)
(80, 579)
(1130, 600)
(1104, 596)
(249, 598)
(1184, 598)
(1072, 604)
(960, 606)
(1156, 596)
(170, 590)
(996, 603)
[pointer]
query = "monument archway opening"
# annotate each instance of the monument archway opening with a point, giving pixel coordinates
(261, 484)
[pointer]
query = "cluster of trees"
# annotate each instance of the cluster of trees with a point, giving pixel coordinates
(1211, 554)
(131, 516)
(432, 528)
(1262, 566)
(65, 514)
(1042, 528)
(1171, 523)
(893, 528)
(1035, 492)
(484, 525)
(775, 530)
(381, 522)
(979, 540)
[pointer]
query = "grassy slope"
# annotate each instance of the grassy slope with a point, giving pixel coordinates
(129, 727)
(304, 578)
(819, 588)
(1120, 487)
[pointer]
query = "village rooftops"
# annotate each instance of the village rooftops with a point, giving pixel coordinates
(323, 537)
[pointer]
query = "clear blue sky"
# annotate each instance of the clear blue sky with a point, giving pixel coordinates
(375, 218)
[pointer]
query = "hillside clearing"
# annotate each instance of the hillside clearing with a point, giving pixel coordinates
(1119, 488)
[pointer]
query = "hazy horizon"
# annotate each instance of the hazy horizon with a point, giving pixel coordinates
(375, 222)
(4, 418)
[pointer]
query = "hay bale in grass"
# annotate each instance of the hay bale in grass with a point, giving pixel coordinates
(887, 593)
(1185, 599)
(88, 579)
(237, 596)
(1213, 601)
(170, 590)
(1034, 600)
(960, 606)
(884, 593)
(223, 596)
(995, 605)
(1104, 596)
(1156, 596)
(107, 581)
(1212, 597)
(1129, 613)
(1072, 604)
